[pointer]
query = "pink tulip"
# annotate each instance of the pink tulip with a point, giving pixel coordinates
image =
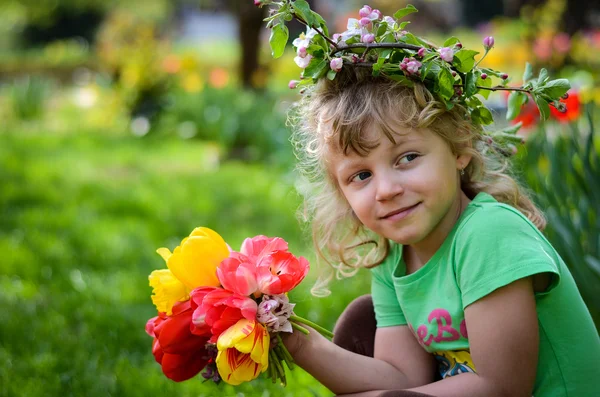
(280, 272)
(253, 247)
(238, 274)
(216, 309)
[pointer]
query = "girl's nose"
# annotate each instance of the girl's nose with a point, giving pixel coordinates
(388, 188)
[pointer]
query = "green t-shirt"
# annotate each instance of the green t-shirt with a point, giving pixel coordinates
(490, 246)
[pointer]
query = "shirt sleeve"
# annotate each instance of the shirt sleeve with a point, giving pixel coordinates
(498, 246)
(387, 308)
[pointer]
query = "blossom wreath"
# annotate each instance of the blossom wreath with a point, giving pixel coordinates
(223, 311)
(450, 72)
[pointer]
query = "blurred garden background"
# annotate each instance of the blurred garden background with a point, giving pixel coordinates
(125, 124)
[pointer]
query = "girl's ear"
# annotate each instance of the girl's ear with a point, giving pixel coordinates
(463, 160)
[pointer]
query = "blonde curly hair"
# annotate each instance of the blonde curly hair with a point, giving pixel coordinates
(347, 105)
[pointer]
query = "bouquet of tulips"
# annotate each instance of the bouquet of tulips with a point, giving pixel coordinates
(221, 311)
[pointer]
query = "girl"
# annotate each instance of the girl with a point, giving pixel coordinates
(468, 296)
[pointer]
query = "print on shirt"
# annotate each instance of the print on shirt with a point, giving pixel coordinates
(452, 363)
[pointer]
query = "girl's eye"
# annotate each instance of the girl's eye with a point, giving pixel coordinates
(408, 158)
(361, 176)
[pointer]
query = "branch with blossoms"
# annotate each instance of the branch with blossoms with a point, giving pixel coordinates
(222, 311)
(382, 43)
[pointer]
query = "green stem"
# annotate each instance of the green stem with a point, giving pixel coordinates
(300, 328)
(286, 352)
(280, 352)
(484, 55)
(318, 328)
(279, 368)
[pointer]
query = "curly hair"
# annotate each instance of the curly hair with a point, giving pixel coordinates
(335, 114)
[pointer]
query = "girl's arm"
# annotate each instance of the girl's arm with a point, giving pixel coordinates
(399, 363)
(504, 339)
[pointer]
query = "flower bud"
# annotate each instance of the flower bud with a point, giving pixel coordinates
(390, 21)
(458, 45)
(365, 11)
(483, 76)
(293, 84)
(561, 107)
(336, 64)
(302, 52)
(421, 52)
(566, 96)
(377, 15)
(446, 54)
(367, 38)
(458, 91)
(364, 21)
(488, 43)
(504, 76)
(512, 149)
(454, 73)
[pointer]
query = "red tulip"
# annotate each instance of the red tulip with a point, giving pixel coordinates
(181, 354)
(216, 309)
(280, 272)
(573, 109)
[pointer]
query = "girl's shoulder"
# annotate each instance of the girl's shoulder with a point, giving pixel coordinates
(485, 215)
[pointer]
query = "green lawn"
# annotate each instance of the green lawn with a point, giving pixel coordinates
(80, 218)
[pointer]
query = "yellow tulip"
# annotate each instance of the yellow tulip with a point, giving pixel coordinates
(243, 352)
(167, 290)
(195, 261)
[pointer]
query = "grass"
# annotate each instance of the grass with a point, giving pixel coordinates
(80, 218)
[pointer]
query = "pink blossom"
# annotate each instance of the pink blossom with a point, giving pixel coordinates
(336, 64)
(421, 52)
(377, 14)
(303, 62)
(413, 67)
(365, 11)
(365, 21)
(367, 38)
(302, 52)
(280, 272)
(504, 76)
(293, 84)
(446, 54)
(488, 42)
(238, 274)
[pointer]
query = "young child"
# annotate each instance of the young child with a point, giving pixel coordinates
(470, 299)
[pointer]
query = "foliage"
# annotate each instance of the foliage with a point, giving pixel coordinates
(81, 217)
(564, 171)
(28, 96)
(247, 124)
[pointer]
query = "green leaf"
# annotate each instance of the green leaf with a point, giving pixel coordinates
(516, 99)
(445, 83)
(302, 9)
(409, 9)
(405, 81)
(321, 22)
(402, 25)
(543, 76)
(410, 38)
(381, 29)
(331, 74)
(528, 74)
(278, 39)
(556, 88)
(542, 106)
(466, 60)
(451, 41)
(470, 84)
(482, 115)
(315, 68)
(484, 83)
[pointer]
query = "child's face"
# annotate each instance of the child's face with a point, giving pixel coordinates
(402, 191)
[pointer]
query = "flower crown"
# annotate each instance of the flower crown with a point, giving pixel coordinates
(381, 43)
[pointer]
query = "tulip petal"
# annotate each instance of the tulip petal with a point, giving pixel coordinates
(165, 253)
(195, 261)
(235, 333)
(180, 367)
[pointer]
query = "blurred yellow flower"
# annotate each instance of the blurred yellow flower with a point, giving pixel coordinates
(243, 352)
(195, 261)
(192, 82)
(167, 290)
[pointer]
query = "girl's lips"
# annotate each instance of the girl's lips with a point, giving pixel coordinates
(397, 215)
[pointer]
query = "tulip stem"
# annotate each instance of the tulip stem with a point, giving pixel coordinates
(289, 360)
(299, 328)
(318, 328)
(279, 369)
